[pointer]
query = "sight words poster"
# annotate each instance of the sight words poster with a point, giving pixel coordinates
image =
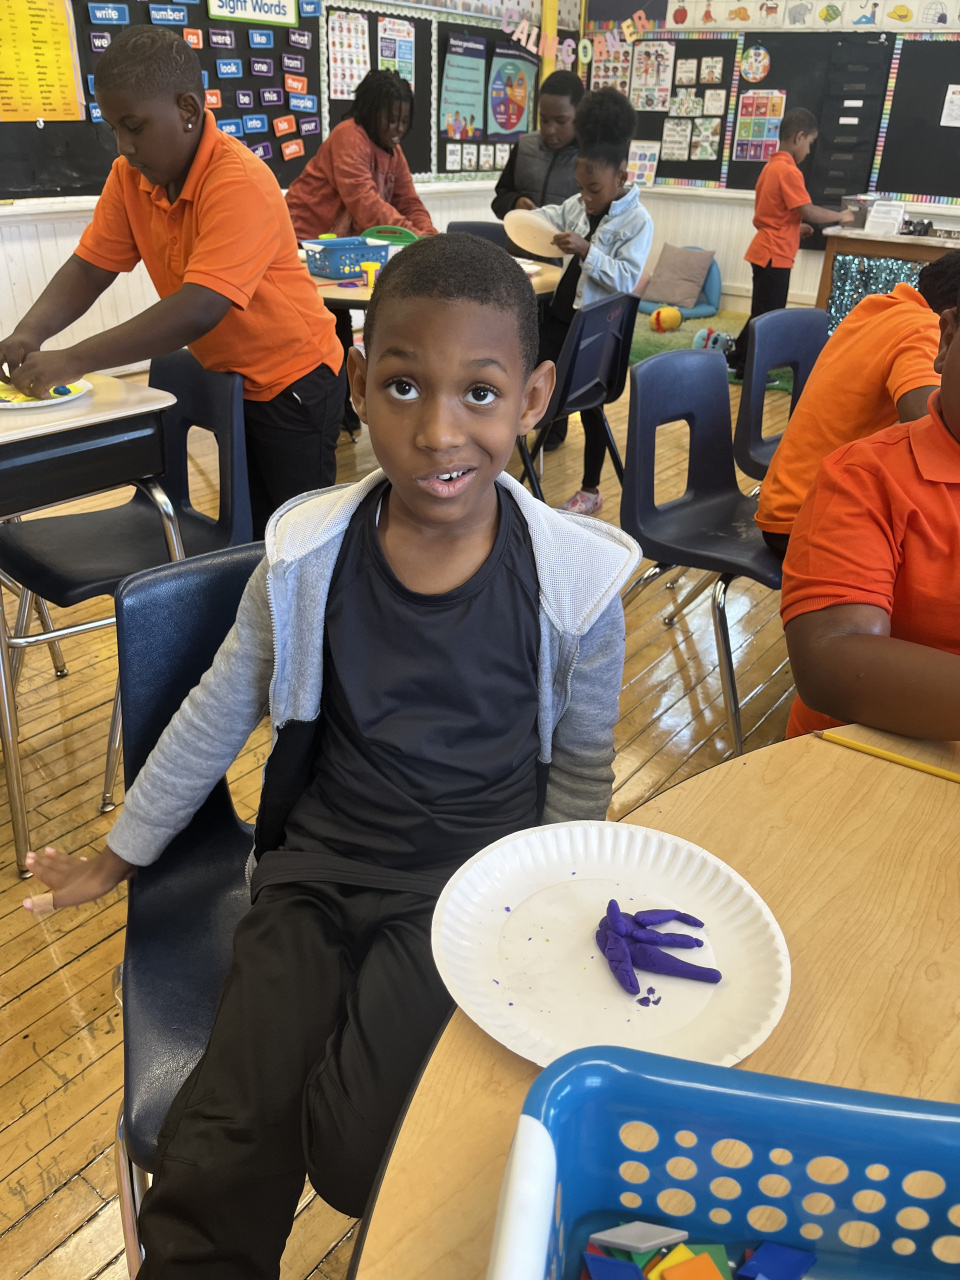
(461, 91)
(510, 93)
(281, 13)
(39, 68)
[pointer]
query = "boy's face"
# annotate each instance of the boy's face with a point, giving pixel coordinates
(947, 364)
(443, 391)
(800, 146)
(158, 136)
(394, 125)
(556, 121)
(600, 184)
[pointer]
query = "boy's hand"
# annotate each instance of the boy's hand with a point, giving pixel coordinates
(570, 242)
(806, 231)
(524, 203)
(847, 218)
(41, 370)
(13, 351)
(73, 880)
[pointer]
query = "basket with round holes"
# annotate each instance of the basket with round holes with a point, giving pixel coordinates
(868, 1182)
(339, 258)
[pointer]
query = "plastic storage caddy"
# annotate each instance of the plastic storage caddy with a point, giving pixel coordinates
(868, 1182)
(339, 258)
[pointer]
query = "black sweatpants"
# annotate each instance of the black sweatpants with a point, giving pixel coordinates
(292, 441)
(553, 333)
(350, 421)
(771, 285)
(330, 1007)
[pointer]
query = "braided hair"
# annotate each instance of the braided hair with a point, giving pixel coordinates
(377, 94)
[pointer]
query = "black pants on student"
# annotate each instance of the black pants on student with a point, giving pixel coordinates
(350, 421)
(292, 441)
(553, 333)
(330, 1007)
(770, 288)
(777, 542)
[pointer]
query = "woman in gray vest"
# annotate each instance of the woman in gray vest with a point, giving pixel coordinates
(540, 168)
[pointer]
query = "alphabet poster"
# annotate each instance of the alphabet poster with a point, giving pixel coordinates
(349, 45)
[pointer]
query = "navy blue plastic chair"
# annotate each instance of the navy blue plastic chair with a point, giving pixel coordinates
(790, 338)
(591, 372)
(72, 558)
(492, 231)
(711, 526)
(183, 909)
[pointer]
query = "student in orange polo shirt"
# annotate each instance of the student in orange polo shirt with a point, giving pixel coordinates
(208, 220)
(877, 369)
(870, 578)
(782, 209)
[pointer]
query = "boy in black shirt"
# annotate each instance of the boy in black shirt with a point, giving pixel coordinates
(441, 656)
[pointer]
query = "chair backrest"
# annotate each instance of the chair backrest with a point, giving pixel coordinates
(676, 385)
(790, 338)
(213, 401)
(712, 287)
(492, 231)
(592, 366)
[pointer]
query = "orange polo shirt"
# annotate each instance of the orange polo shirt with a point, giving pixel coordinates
(884, 348)
(881, 526)
(229, 230)
(781, 194)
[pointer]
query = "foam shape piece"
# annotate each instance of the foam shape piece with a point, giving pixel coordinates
(680, 1254)
(700, 1267)
(602, 1268)
(777, 1262)
(638, 1236)
(719, 1255)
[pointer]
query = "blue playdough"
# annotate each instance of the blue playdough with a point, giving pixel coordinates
(61, 391)
(777, 1262)
(601, 1268)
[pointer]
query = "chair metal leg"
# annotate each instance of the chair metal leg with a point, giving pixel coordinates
(21, 628)
(46, 624)
(132, 1185)
(10, 744)
(107, 802)
(694, 593)
(728, 679)
(649, 575)
(529, 473)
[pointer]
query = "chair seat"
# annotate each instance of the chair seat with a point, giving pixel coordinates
(720, 536)
(69, 559)
(183, 912)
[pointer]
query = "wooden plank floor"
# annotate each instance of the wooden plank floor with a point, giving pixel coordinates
(60, 1029)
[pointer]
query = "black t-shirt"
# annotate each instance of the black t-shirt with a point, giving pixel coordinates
(428, 736)
(565, 293)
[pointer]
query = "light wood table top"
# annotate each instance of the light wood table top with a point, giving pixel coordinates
(110, 400)
(856, 857)
(341, 294)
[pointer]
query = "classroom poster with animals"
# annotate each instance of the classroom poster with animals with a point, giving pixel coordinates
(348, 47)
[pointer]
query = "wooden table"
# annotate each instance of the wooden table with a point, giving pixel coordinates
(854, 241)
(856, 857)
(110, 437)
(344, 295)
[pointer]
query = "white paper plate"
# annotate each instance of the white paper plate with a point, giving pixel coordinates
(531, 231)
(81, 387)
(531, 268)
(514, 941)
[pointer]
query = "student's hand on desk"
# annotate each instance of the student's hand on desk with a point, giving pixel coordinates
(570, 242)
(13, 351)
(524, 203)
(71, 881)
(847, 218)
(41, 370)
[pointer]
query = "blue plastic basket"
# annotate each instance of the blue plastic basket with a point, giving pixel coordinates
(868, 1182)
(339, 259)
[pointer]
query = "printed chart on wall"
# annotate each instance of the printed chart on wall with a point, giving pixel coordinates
(39, 65)
(642, 162)
(759, 113)
(461, 100)
(395, 43)
(652, 75)
(510, 93)
(348, 47)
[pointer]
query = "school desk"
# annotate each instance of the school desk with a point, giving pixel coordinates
(343, 295)
(842, 241)
(857, 859)
(109, 437)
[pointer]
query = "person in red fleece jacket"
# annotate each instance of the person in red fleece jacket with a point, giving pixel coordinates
(360, 179)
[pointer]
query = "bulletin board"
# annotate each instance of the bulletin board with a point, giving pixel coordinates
(74, 158)
(916, 153)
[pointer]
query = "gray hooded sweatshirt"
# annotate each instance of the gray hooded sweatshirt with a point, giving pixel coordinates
(272, 663)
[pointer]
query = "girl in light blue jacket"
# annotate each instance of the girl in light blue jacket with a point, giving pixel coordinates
(608, 232)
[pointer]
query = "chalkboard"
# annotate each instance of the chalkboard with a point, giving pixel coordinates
(416, 145)
(73, 159)
(919, 156)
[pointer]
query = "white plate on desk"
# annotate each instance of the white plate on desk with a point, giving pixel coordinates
(78, 389)
(514, 941)
(531, 231)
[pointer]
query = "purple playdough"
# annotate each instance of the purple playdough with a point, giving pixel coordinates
(653, 960)
(629, 943)
(647, 918)
(617, 956)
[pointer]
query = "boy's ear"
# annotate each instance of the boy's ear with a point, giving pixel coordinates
(948, 331)
(357, 381)
(536, 396)
(191, 110)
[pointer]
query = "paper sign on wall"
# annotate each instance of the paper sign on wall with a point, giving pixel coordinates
(39, 65)
(349, 50)
(950, 116)
(676, 139)
(279, 13)
(395, 43)
(610, 68)
(642, 163)
(652, 75)
(510, 93)
(759, 113)
(461, 92)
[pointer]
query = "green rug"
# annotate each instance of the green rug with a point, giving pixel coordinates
(647, 342)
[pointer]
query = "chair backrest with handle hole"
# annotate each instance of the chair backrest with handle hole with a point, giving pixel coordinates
(592, 366)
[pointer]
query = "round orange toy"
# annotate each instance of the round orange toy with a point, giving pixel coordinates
(666, 318)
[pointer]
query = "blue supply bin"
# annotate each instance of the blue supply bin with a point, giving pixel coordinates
(339, 258)
(867, 1181)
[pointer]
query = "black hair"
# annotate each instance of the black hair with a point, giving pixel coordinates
(152, 62)
(378, 92)
(460, 268)
(563, 84)
(797, 120)
(605, 123)
(939, 282)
